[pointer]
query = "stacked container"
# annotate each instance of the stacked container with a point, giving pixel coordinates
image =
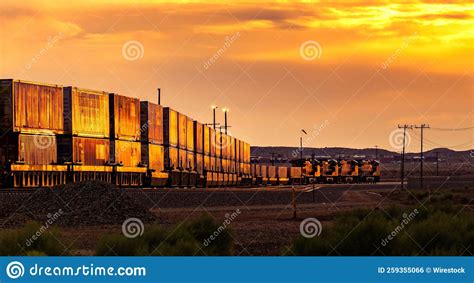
(170, 127)
(199, 153)
(125, 147)
(152, 143)
(85, 145)
(30, 118)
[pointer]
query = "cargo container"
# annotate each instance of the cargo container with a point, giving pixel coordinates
(296, 175)
(170, 127)
(206, 140)
(232, 148)
(190, 134)
(272, 175)
(283, 175)
(29, 107)
(86, 112)
(28, 149)
(153, 156)
(212, 141)
(151, 121)
(124, 117)
(182, 130)
(125, 153)
(198, 137)
(86, 151)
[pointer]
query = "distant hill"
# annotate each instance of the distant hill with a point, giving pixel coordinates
(289, 153)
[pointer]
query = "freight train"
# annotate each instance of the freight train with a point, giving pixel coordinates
(52, 135)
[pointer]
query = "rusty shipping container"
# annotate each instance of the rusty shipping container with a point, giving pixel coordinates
(191, 165)
(283, 172)
(28, 149)
(198, 137)
(151, 122)
(212, 142)
(29, 107)
(87, 151)
(218, 144)
(171, 158)
(182, 130)
(86, 112)
(207, 140)
(124, 117)
(199, 163)
(154, 156)
(127, 153)
(170, 127)
(207, 163)
(190, 134)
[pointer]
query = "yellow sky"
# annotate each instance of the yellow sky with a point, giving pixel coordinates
(357, 67)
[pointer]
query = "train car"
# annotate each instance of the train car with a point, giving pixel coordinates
(369, 171)
(272, 175)
(152, 143)
(282, 175)
(349, 171)
(31, 115)
(125, 147)
(170, 136)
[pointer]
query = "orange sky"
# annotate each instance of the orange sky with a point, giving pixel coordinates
(375, 64)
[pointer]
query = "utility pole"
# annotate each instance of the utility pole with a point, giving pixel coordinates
(214, 116)
(402, 170)
(421, 127)
(225, 110)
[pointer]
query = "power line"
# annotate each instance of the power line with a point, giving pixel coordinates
(453, 129)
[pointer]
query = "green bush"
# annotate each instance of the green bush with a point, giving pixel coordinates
(22, 242)
(186, 238)
(441, 230)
